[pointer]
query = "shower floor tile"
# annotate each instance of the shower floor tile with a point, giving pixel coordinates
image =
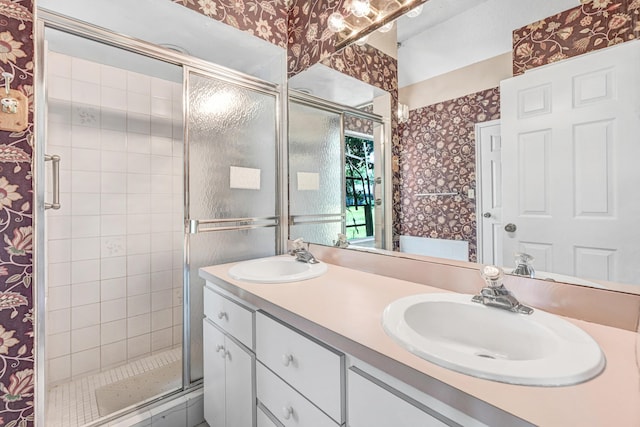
(74, 404)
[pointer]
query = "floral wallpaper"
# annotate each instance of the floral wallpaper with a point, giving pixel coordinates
(438, 155)
(266, 19)
(16, 226)
(367, 64)
(356, 124)
(595, 24)
(310, 41)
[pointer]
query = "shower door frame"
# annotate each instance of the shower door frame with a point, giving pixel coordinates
(51, 20)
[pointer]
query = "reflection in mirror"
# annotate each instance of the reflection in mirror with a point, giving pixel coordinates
(336, 173)
(451, 81)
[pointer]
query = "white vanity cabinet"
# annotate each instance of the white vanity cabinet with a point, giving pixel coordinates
(261, 371)
(373, 403)
(298, 379)
(229, 362)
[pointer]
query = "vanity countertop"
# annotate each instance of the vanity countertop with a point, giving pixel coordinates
(344, 308)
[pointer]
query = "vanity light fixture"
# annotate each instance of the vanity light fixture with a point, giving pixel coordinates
(360, 8)
(362, 40)
(361, 17)
(336, 22)
(386, 27)
(416, 11)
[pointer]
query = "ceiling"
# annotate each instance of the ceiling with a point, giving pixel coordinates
(451, 34)
(166, 23)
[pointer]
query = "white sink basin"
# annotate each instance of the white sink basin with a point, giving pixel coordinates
(280, 269)
(487, 342)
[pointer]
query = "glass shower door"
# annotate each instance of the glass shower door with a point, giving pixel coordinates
(316, 183)
(231, 203)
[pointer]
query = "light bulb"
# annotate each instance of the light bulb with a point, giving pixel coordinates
(415, 11)
(362, 40)
(360, 8)
(386, 27)
(336, 22)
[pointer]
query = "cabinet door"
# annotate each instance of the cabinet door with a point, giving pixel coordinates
(214, 375)
(240, 402)
(371, 405)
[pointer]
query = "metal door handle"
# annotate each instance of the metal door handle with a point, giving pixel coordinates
(378, 202)
(510, 228)
(55, 181)
(487, 215)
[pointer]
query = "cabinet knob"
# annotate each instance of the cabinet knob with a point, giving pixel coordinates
(287, 359)
(223, 315)
(220, 348)
(287, 412)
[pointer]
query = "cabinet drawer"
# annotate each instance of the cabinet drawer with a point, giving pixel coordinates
(286, 404)
(313, 369)
(233, 318)
(375, 404)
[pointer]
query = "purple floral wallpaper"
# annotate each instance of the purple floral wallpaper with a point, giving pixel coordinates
(16, 226)
(438, 155)
(367, 64)
(310, 41)
(356, 124)
(266, 19)
(595, 24)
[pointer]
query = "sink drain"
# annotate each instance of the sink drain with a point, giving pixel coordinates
(486, 356)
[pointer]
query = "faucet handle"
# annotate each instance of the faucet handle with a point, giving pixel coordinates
(523, 258)
(297, 244)
(492, 275)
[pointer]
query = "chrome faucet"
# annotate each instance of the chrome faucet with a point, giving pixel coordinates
(342, 241)
(302, 254)
(524, 265)
(496, 295)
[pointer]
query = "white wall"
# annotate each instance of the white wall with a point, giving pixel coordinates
(114, 290)
(483, 75)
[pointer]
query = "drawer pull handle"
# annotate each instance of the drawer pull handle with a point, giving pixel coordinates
(287, 359)
(287, 412)
(220, 348)
(222, 315)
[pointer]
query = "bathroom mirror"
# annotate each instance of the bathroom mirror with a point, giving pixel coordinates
(432, 48)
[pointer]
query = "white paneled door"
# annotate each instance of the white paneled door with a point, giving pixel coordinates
(489, 201)
(571, 164)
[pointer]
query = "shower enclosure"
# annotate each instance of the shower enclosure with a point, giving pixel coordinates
(153, 164)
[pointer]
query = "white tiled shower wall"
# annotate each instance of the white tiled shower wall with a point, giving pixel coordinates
(115, 255)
